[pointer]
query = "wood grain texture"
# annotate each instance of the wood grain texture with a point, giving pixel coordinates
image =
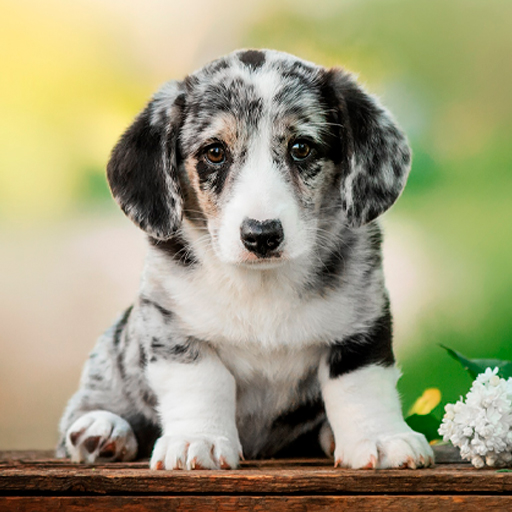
(285, 477)
(34, 481)
(259, 503)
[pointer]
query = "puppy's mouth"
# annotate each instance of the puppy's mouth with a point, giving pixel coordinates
(250, 260)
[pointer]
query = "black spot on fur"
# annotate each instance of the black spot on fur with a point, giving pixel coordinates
(252, 58)
(374, 260)
(300, 72)
(190, 82)
(398, 168)
(372, 347)
(143, 358)
(120, 364)
(212, 177)
(255, 110)
(180, 101)
(157, 344)
(164, 312)
(120, 340)
(308, 170)
(177, 248)
(95, 377)
(118, 331)
(149, 397)
(183, 351)
(217, 66)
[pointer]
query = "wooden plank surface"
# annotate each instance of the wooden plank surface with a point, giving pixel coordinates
(397, 503)
(39, 474)
(35, 481)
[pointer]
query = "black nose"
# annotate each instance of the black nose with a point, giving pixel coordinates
(261, 237)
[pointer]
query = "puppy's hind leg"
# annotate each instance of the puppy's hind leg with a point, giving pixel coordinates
(100, 435)
(95, 424)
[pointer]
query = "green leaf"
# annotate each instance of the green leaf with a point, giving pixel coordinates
(426, 424)
(477, 366)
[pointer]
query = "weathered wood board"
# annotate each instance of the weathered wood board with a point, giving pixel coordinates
(34, 481)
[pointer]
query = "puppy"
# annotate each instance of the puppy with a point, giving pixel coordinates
(263, 325)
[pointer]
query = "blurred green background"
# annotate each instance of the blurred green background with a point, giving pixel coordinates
(73, 75)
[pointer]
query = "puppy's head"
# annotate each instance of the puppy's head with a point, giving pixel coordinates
(265, 151)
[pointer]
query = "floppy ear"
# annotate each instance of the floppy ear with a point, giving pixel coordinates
(143, 168)
(379, 155)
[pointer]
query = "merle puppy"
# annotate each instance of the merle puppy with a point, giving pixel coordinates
(262, 326)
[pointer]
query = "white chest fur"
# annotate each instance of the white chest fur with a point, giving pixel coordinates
(240, 307)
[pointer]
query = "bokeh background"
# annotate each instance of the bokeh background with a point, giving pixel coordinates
(73, 75)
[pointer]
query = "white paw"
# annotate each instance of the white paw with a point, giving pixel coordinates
(195, 452)
(101, 435)
(401, 450)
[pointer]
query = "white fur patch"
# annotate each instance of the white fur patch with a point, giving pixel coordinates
(235, 306)
(364, 412)
(261, 193)
(196, 405)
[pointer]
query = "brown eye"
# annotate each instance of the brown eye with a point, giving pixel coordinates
(215, 154)
(300, 150)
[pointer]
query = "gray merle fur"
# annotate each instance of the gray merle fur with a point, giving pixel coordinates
(186, 351)
(177, 249)
(360, 163)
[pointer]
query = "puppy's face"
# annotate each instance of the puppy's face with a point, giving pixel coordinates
(261, 149)
(268, 152)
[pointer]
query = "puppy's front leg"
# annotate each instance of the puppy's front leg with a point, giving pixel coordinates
(196, 404)
(358, 380)
(364, 412)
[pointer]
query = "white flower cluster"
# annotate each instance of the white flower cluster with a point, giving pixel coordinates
(482, 425)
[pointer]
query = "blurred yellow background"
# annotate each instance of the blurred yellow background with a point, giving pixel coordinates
(74, 74)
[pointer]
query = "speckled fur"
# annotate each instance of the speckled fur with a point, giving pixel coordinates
(223, 351)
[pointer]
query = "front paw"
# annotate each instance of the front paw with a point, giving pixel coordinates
(195, 452)
(101, 435)
(400, 450)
